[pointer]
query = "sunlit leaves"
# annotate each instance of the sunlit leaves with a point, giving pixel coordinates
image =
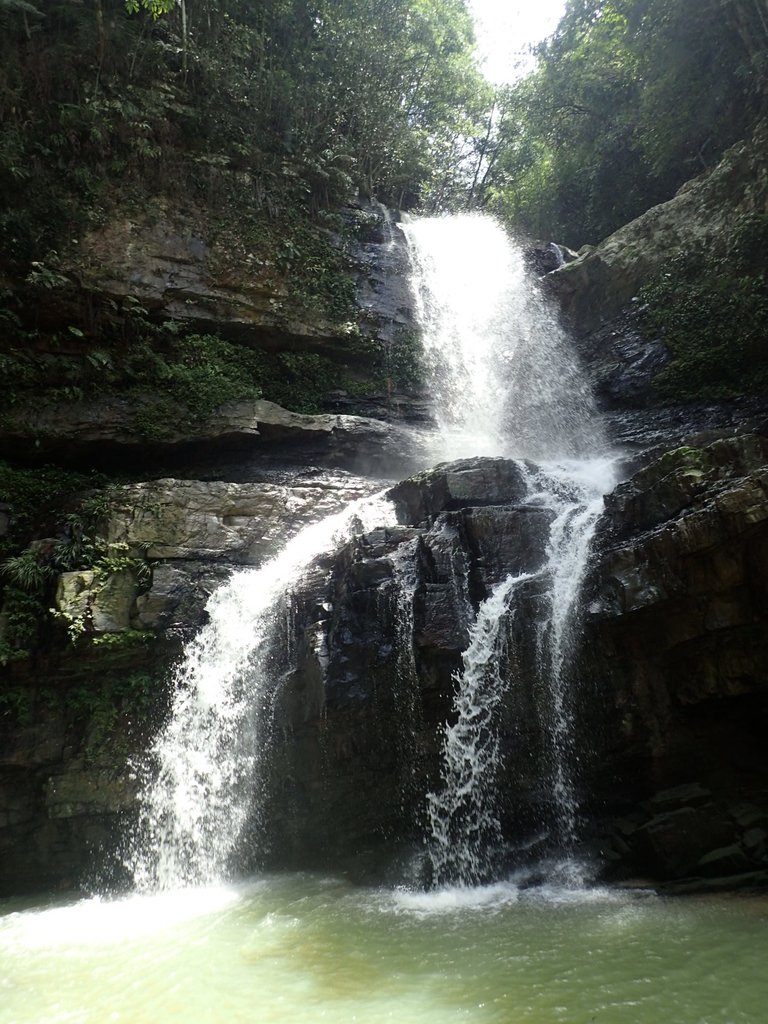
(157, 8)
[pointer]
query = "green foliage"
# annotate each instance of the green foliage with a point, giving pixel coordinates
(297, 103)
(15, 702)
(629, 99)
(50, 502)
(114, 560)
(104, 703)
(125, 639)
(189, 380)
(36, 497)
(711, 311)
(23, 617)
(27, 572)
(157, 8)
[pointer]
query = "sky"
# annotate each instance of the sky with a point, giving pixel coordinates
(506, 28)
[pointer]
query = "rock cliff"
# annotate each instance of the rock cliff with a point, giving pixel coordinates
(599, 291)
(671, 680)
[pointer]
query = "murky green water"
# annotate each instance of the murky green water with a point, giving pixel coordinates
(303, 948)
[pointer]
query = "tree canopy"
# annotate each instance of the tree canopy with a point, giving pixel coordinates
(313, 99)
(304, 102)
(629, 99)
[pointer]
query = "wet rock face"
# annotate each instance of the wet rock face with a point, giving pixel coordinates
(380, 636)
(67, 785)
(677, 647)
(622, 362)
(672, 698)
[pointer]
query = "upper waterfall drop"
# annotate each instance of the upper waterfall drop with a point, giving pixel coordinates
(501, 371)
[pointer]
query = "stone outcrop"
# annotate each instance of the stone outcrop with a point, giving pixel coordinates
(598, 291)
(676, 646)
(238, 524)
(601, 283)
(379, 642)
(672, 671)
(101, 430)
(191, 535)
(170, 261)
(67, 785)
(105, 604)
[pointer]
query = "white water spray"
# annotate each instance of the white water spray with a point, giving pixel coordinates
(205, 768)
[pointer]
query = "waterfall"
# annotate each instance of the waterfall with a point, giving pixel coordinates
(574, 491)
(204, 775)
(501, 371)
(462, 817)
(506, 383)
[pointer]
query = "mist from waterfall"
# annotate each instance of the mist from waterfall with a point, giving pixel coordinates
(505, 382)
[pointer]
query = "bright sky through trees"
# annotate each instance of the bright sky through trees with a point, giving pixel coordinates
(506, 29)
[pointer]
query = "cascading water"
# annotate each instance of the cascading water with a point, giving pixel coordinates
(506, 384)
(502, 376)
(202, 780)
(574, 491)
(463, 817)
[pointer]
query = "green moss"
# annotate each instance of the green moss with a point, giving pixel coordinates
(126, 638)
(711, 311)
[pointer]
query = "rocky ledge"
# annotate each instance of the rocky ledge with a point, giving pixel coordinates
(107, 432)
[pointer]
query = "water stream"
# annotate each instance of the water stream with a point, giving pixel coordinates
(205, 773)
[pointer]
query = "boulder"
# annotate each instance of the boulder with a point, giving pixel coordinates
(379, 640)
(101, 604)
(462, 484)
(177, 595)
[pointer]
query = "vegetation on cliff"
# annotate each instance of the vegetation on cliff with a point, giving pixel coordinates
(710, 308)
(629, 99)
(280, 105)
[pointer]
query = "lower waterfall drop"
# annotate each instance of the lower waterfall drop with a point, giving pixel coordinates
(465, 829)
(201, 782)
